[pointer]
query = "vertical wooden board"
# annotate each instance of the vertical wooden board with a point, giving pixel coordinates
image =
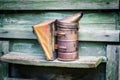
(4, 48)
(33, 47)
(119, 62)
(112, 63)
(25, 20)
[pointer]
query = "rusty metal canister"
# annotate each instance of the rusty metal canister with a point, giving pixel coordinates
(67, 41)
(67, 34)
(68, 56)
(67, 46)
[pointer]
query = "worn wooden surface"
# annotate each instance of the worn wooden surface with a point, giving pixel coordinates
(16, 24)
(118, 21)
(33, 47)
(84, 35)
(22, 21)
(119, 63)
(58, 5)
(4, 48)
(26, 19)
(22, 58)
(112, 63)
(7, 78)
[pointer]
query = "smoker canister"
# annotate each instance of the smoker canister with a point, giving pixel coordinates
(67, 41)
(67, 34)
(67, 56)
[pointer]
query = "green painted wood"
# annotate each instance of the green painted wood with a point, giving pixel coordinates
(118, 21)
(92, 49)
(57, 73)
(17, 79)
(1, 75)
(119, 63)
(35, 17)
(84, 26)
(99, 35)
(84, 35)
(4, 48)
(22, 58)
(34, 48)
(112, 63)
(58, 5)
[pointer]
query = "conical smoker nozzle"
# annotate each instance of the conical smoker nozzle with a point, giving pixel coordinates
(72, 19)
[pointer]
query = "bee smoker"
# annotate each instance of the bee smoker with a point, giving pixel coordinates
(67, 37)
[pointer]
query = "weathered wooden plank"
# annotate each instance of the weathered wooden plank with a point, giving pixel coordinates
(34, 48)
(118, 21)
(84, 26)
(99, 35)
(21, 58)
(112, 63)
(58, 73)
(35, 17)
(91, 49)
(26, 46)
(17, 79)
(84, 35)
(4, 45)
(118, 62)
(25, 21)
(58, 5)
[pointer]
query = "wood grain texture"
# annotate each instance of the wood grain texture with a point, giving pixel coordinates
(25, 20)
(21, 58)
(84, 35)
(118, 62)
(4, 48)
(35, 17)
(118, 21)
(7, 78)
(58, 5)
(59, 73)
(112, 63)
(34, 48)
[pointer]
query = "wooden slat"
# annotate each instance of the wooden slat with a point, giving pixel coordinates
(57, 4)
(25, 59)
(24, 20)
(118, 21)
(17, 79)
(99, 35)
(112, 63)
(119, 62)
(84, 35)
(35, 17)
(84, 26)
(4, 49)
(32, 46)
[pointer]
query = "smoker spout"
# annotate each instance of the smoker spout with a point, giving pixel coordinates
(72, 19)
